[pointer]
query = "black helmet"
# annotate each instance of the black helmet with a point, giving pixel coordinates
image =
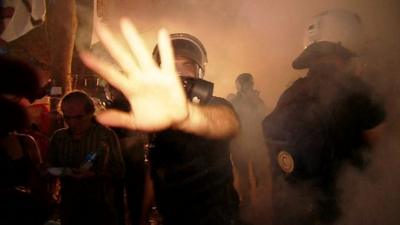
(188, 46)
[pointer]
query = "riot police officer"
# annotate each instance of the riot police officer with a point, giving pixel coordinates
(320, 122)
(192, 174)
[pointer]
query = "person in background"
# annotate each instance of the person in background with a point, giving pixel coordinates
(248, 148)
(23, 193)
(87, 158)
(321, 123)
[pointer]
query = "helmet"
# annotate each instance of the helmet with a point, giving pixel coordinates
(244, 81)
(188, 46)
(333, 31)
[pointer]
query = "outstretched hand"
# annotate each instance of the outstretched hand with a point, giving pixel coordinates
(155, 93)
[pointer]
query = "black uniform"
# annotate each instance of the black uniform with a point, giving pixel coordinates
(316, 127)
(192, 177)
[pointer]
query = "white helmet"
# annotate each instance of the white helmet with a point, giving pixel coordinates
(333, 31)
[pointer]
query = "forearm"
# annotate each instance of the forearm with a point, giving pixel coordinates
(216, 121)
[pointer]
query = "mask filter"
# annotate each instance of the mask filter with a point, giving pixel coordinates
(197, 90)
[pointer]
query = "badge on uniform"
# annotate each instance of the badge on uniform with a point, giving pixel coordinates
(285, 161)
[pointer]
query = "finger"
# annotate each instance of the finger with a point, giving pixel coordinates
(117, 50)
(138, 47)
(166, 52)
(116, 118)
(106, 71)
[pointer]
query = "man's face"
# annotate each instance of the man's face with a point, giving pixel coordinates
(185, 66)
(75, 116)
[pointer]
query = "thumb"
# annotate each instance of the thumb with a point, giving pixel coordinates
(116, 118)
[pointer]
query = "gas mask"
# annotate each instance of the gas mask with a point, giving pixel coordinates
(197, 90)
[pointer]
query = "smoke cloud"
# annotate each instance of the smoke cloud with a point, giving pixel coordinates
(263, 37)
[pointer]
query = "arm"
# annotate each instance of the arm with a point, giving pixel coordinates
(32, 149)
(371, 112)
(213, 121)
(109, 165)
(156, 93)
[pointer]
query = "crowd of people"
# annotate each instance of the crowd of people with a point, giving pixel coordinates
(167, 146)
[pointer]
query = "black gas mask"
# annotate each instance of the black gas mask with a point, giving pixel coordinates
(197, 90)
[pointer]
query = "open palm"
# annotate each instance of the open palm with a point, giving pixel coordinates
(155, 93)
